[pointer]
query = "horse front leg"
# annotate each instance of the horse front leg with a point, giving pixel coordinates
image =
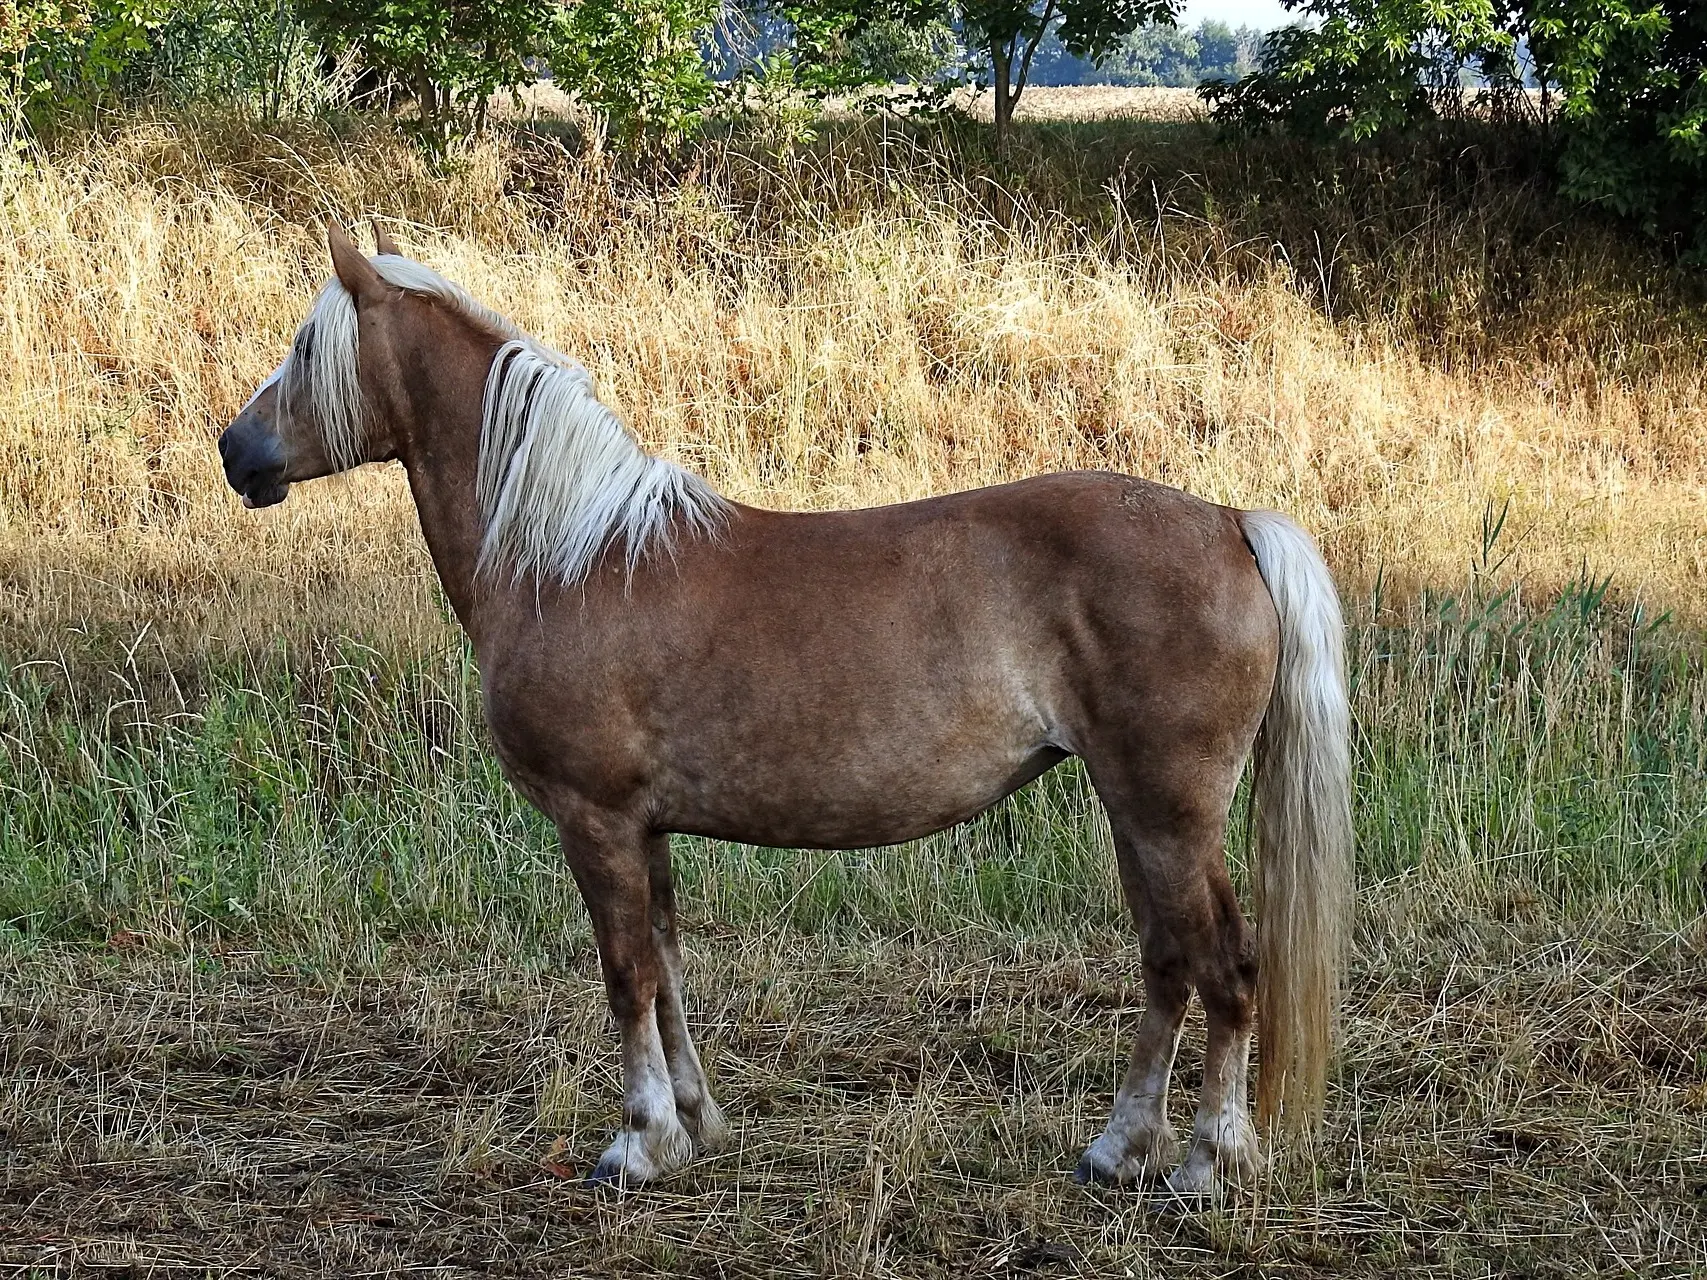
(695, 1107)
(613, 874)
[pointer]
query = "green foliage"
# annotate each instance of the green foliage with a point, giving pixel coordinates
(1629, 76)
(1633, 82)
(1086, 28)
(1008, 33)
(451, 55)
(837, 46)
(1222, 51)
(895, 51)
(840, 45)
(781, 63)
(254, 54)
(57, 55)
(638, 64)
(1162, 54)
(1156, 53)
(1369, 66)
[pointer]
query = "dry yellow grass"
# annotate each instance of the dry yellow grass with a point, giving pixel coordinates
(1092, 102)
(803, 357)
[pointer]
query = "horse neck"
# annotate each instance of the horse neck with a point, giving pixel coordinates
(444, 374)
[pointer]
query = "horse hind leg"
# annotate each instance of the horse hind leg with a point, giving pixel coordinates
(1139, 1143)
(1175, 880)
(1223, 1140)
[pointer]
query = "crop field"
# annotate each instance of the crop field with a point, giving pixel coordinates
(292, 984)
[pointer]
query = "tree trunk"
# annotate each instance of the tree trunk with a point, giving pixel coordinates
(426, 97)
(1001, 64)
(1007, 94)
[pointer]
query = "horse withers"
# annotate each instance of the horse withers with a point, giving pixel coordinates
(655, 658)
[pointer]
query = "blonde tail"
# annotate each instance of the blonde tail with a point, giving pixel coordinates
(1301, 824)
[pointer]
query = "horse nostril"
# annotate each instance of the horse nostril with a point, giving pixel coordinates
(224, 446)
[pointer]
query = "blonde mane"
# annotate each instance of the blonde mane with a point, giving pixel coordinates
(560, 477)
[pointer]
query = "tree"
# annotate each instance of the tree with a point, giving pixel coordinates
(1221, 50)
(1632, 82)
(1008, 32)
(1368, 66)
(1155, 54)
(637, 63)
(56, 54)
(1000, 38)
(451, 55)
(835, 46)
(255, 54)
(1629, 78)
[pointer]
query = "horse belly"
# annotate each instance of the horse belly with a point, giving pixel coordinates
(849, 791)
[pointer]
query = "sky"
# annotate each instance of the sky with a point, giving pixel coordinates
(1266, 14)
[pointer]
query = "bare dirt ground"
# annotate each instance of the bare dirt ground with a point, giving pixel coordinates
(1524, 1102)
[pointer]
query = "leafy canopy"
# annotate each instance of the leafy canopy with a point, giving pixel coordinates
(638, 64)
(452, 55)
(1625, 85)
(58, 55)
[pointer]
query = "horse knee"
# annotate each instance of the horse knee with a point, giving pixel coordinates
(631, 987)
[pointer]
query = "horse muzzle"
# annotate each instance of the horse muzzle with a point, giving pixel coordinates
(254, 461)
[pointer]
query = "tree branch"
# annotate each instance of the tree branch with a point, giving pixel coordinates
(1025, 62)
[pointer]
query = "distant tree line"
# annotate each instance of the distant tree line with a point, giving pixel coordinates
(1157, 54)
(1621, 113)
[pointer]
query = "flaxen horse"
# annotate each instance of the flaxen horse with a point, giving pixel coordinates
(655, 658)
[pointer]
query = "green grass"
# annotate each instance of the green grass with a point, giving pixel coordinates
(1506, 754)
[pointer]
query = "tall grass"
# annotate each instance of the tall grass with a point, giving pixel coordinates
(1513, 760)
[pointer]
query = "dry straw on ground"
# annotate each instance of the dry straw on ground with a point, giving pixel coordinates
(1509, 1106)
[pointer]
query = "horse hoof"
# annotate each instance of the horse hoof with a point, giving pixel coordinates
(1193, 1182)
(1087, 1174)
(1128, 1171)
(609, 1175)
(1091, 1174)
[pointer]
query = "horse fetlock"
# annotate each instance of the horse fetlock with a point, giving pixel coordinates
(1128, 1158)
(1225, 1152)
(704, 1121)
(1238, 1158)
(638, 1156)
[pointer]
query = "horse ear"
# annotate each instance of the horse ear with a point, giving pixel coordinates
(383, 243)
(355, 272)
